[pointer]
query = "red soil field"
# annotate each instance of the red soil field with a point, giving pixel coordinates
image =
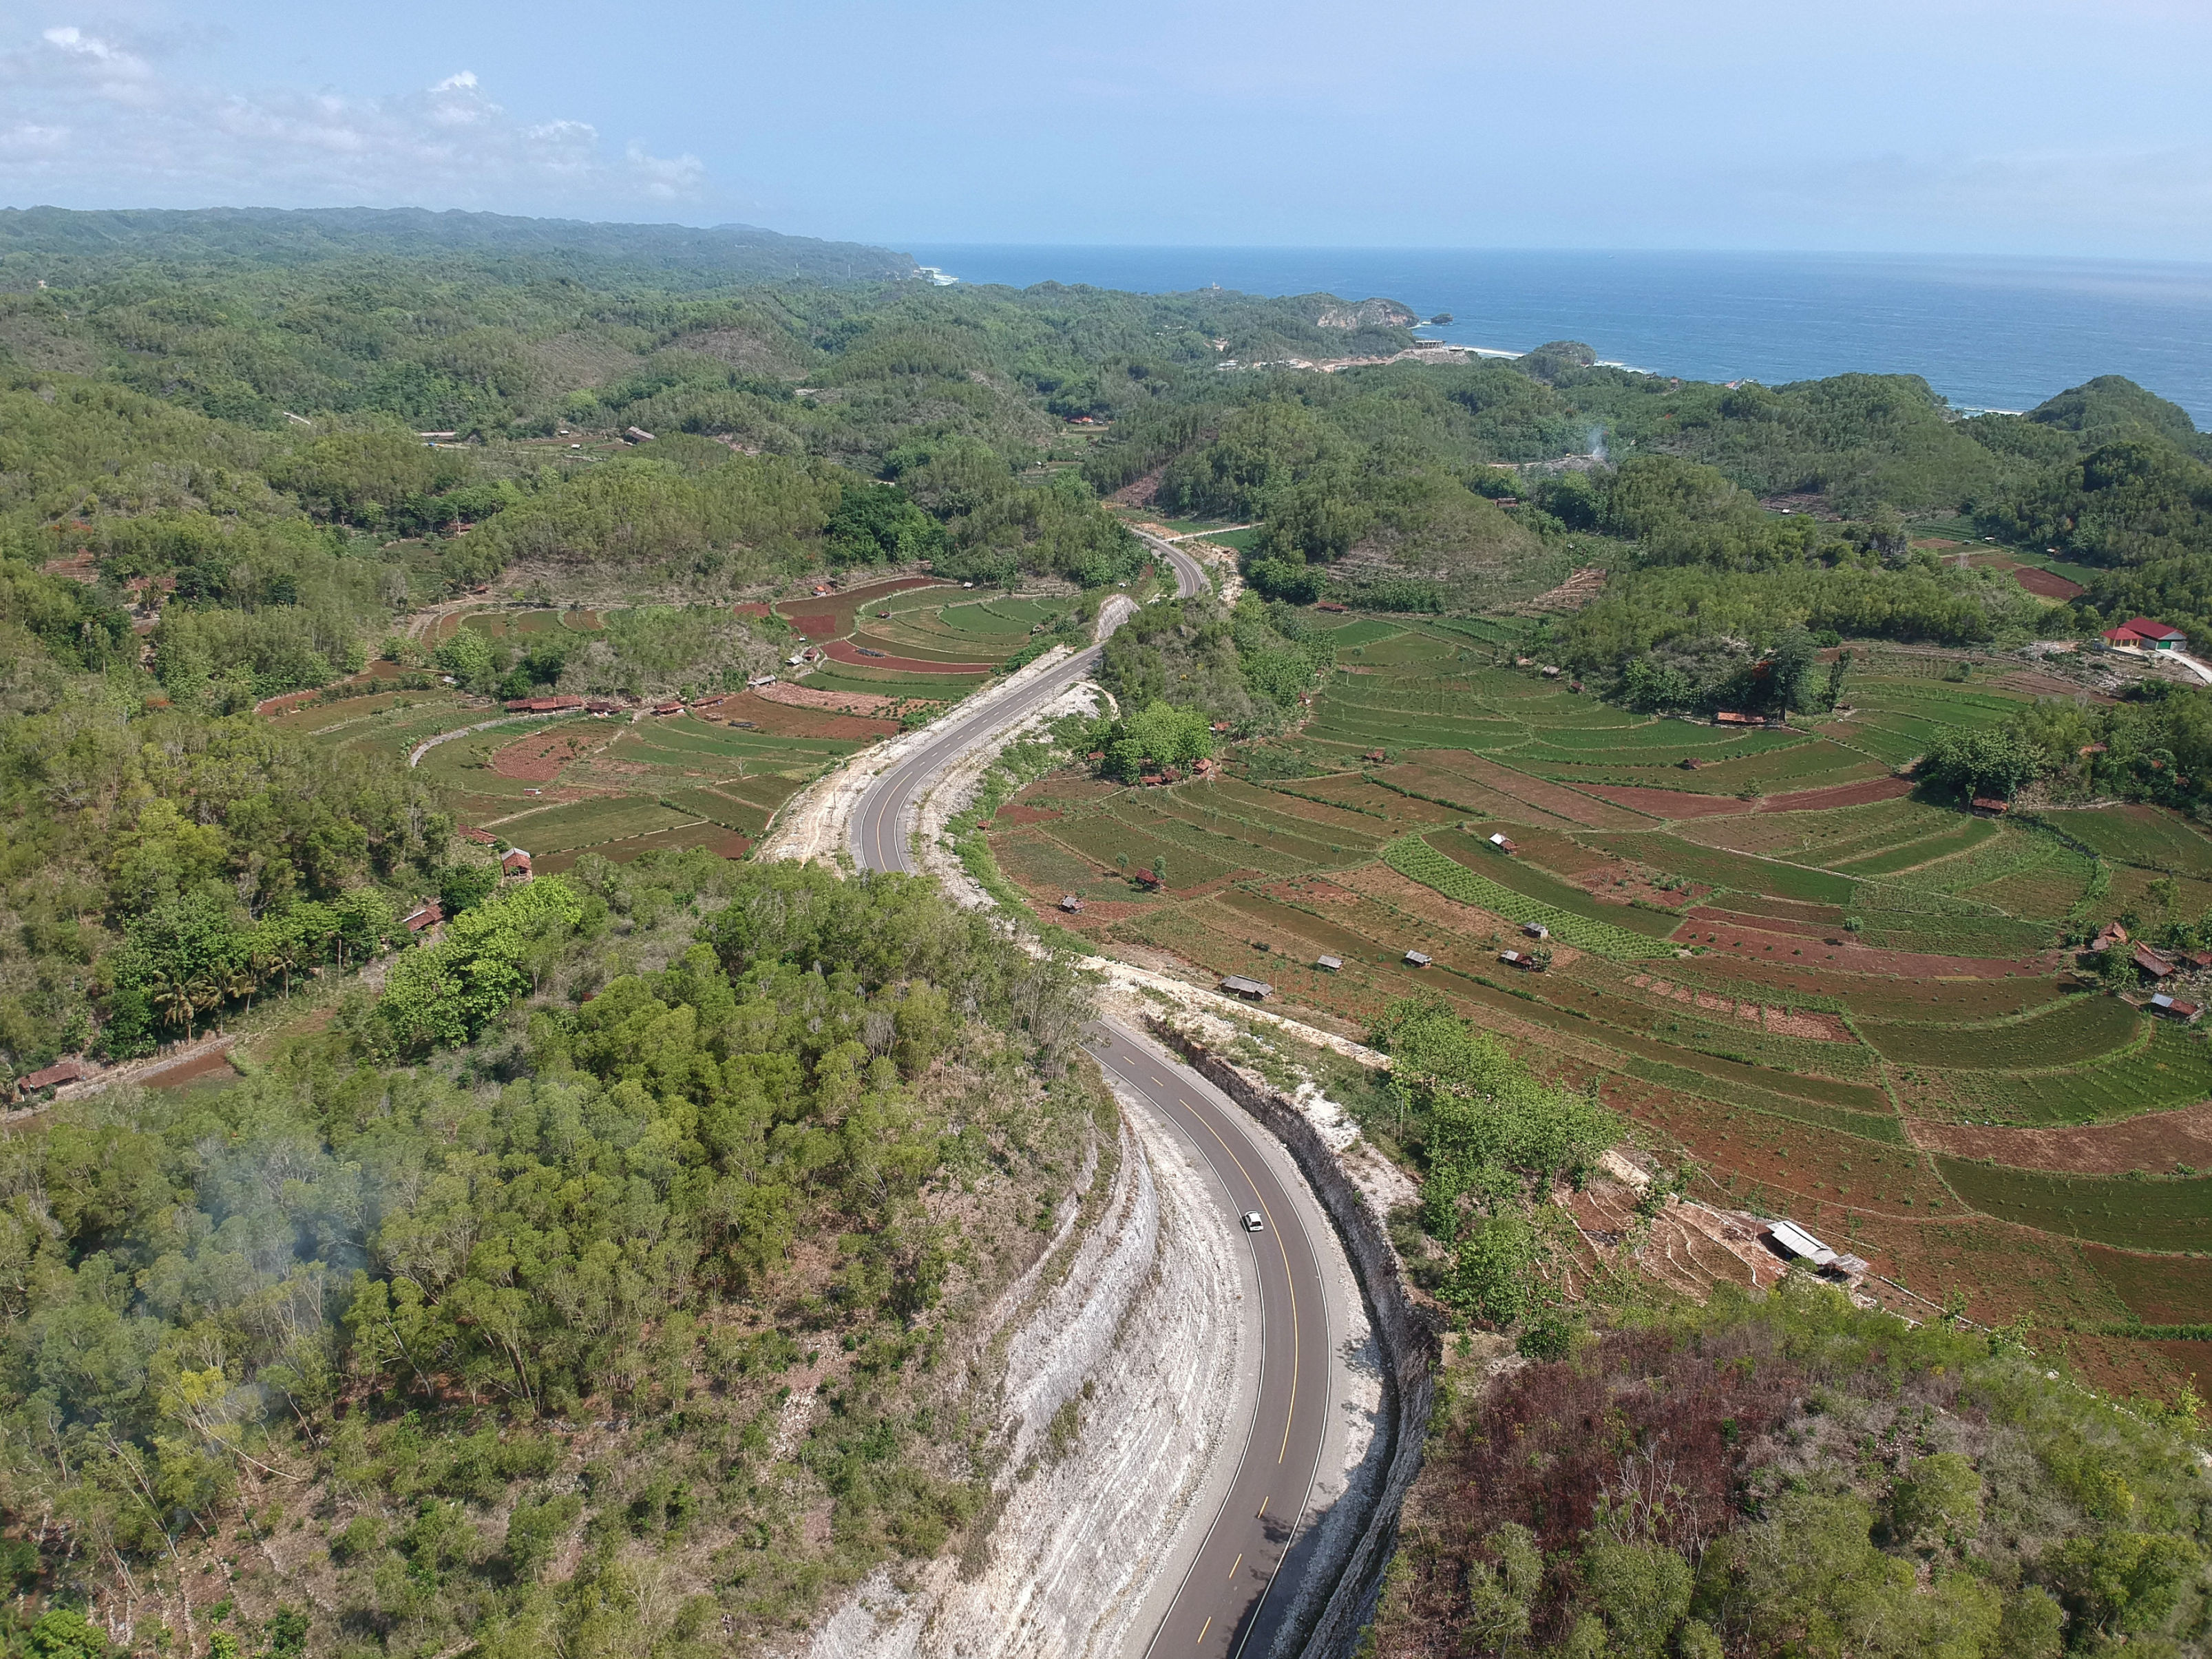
(1822, 1178)
(538, 758)
(826, 616)
(1761, 944)
(751, 608)
(846, 651)
(782, 720)
(1576, 806)
(1708, 918)
(2158, 1289)
(2154, 1143)
(795, 695)
(2047, 583)
(1014, 812)
(1841, 794)
(1669, 803)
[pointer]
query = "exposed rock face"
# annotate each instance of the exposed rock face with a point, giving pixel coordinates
(1146, 1334)
(1366, 314)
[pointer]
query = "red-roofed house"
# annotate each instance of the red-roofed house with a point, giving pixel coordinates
(429, 916)
(2145, 634)
(517, 864)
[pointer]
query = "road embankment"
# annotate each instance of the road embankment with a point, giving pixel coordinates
(1408, 1334)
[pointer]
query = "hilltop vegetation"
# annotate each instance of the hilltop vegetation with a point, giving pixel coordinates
(743, 1156)
(1792, 1476)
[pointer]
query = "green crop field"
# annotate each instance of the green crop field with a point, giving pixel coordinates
(1416, 859)
(2167, 1213)
(1956, 837)
(2147, 836)
(589, 823)
(1475, 855)
(1867, 1126)
(2082, 1029)
(1722, 870)
(2173, 1068)
(1364, 631)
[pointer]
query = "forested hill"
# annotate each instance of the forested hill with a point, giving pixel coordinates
(58, 245)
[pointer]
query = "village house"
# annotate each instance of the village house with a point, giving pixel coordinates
(516, 863)
(2143, 634)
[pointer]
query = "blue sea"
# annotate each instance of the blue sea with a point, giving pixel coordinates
(1986, 333)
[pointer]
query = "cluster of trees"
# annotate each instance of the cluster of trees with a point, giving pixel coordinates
(1704, 614)
(390, 1286)
(1245, 666)
(1157, 735)
(1707, 674)
(2155, 745)
(163, 864)
(1791, 1476)
(1490, 1138)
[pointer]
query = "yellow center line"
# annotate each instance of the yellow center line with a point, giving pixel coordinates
(1263, 1509)
(1205, 1627)
(1238, 1563)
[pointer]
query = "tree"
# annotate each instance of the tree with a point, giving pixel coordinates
(1643, 1591)
(1788, 680)
(1991, 761)
(1490, 1279)
(463, 886)
(447, 992)
(468, 657)
(61, 1633)
(1500, 1592)
(1939, 1500)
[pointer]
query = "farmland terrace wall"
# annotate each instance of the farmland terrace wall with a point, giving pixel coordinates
(1409, 1335)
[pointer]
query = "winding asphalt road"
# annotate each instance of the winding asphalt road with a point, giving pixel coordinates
(1223, 1606)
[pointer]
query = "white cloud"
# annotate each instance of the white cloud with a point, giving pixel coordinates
(99, 120)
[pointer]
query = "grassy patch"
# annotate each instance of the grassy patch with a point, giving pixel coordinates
(2155, 1213)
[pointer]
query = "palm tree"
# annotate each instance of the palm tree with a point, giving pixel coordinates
(173, 997)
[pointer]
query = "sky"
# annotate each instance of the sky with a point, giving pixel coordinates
(2065, 127)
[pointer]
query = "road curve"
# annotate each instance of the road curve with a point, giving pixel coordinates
(1190, 575)
(1224, 1606)
(878, 841)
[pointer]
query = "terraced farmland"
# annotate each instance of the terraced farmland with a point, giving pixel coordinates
(1819, 966)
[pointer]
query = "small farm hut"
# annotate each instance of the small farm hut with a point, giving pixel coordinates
(1252, 990)
(61, 1072)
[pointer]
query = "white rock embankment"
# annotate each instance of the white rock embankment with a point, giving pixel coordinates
(1146, 1331)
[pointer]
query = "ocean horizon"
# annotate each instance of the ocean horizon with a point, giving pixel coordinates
(1986, 333)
